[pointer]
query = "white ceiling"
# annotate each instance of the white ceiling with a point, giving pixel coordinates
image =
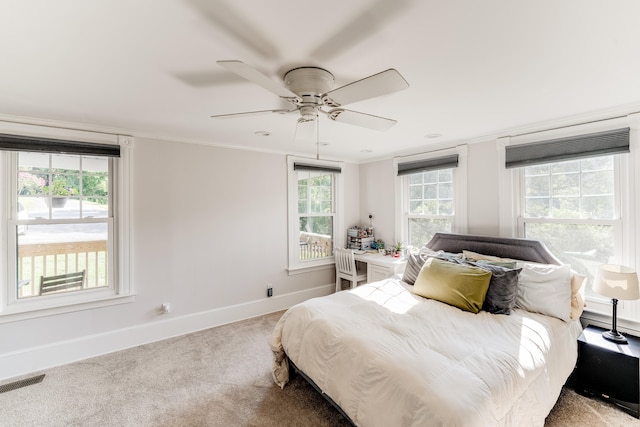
(476, 68)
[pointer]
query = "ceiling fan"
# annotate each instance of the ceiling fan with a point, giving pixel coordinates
(310, 91)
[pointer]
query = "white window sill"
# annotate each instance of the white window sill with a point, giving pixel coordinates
(302, 270)
(31, 310)
(605, 321)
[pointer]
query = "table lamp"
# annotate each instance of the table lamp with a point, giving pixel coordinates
(616, 282)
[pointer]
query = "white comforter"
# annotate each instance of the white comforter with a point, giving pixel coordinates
(391, 358)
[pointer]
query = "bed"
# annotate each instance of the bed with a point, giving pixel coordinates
(442, 344)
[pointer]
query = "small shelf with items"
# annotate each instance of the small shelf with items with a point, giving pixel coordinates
(360, 238)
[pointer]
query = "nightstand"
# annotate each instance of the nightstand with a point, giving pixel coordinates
(609, 370)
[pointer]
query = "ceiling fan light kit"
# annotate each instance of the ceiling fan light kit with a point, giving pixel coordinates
(310, 90)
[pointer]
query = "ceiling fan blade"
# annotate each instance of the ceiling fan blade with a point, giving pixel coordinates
(372, 20)
(226, 17)
(306, 130)
(251, 113)
(383, 83)
(255, 76)
(361, 119)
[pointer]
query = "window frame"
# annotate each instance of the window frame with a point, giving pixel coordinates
(511, 187)
(459, 218)
(295, 265)
(121, 289)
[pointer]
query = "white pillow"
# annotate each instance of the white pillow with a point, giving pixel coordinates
(545, 289)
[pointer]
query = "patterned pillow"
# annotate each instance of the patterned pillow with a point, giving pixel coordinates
(415, 262)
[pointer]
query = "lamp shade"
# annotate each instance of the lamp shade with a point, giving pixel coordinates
(617, 282)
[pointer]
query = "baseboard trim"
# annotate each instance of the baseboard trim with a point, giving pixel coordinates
(35, 359)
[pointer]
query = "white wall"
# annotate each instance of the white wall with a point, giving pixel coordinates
(377, 197)
(483, 196)
(209, 232)
(377, 192)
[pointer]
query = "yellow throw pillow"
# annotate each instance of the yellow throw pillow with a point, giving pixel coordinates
(458, 285)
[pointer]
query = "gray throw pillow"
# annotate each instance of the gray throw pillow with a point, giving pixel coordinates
(503, 288)
(415, 261)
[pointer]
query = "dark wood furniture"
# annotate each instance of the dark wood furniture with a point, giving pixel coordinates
(609, 370)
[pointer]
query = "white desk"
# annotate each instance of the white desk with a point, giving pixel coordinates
(381, 266)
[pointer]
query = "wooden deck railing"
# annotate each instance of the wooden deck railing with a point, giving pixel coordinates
(50, 259)
(313, 245)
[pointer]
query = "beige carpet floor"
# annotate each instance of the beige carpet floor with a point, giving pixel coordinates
(217, 377)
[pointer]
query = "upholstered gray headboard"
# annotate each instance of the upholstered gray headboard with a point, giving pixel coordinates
(503, 247)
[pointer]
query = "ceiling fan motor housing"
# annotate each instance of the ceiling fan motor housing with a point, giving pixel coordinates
(309, 82)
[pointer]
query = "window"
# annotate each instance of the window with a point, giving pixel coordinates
(575, 194)
(573, 207)
(428, 185)
(66, 211)
(314, 216)
(66, 222)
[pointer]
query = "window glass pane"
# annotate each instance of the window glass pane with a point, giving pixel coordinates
(315, 188)
(52, 186)
(445, 207)
(537, 186)
(316, 237)
(537, 208)
(429, 177)
(598, 207)
(565, 184)
(415, 207)
(53, 249)
(421, 230)
(536, 170)
(415, 178)
(597, 182)
(565, 207)
(95, 185)
(578, 189)
(62, 162)
(597, 163)
(32, 183)
(95, 207)
(565, 167)
(445, 175)
(415, 192)
(430, 191)
(430, 207)
(302, 189)
(33, 161)
(95, 165)
(445, 190)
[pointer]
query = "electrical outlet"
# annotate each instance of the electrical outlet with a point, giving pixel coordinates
(269, 290)
(165, 308)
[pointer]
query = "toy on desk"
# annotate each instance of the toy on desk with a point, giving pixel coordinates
(397, 250)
